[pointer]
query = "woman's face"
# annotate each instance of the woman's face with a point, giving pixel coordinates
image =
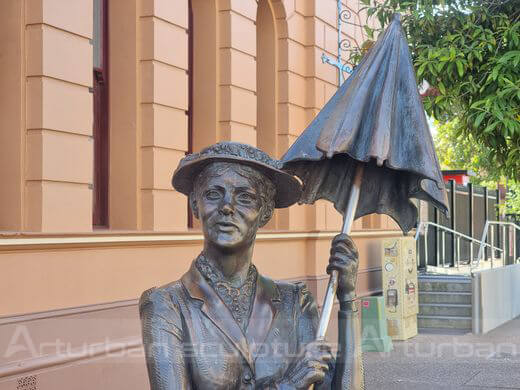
(229, 207)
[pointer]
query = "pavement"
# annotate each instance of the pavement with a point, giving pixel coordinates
(445, 359)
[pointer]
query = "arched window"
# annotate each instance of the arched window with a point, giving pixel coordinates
(100, 131)
(203, 115)
(267, 78)
(203, 78)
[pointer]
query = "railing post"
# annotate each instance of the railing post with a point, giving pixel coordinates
(492, 244)
(514, 245)
(453, 218)
(504, 252)
(482, 247)
(426, 246)
(497, 213)
(443, 236)
(516, 241)
(458, 252)
(486, 214)
(436, 236)
(470, 198)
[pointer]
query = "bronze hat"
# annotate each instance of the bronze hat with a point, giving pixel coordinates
(288, 189)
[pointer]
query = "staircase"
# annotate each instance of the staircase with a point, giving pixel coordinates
(444, 302)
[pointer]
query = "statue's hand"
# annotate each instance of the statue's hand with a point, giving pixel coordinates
(344, 259)
(312, 367)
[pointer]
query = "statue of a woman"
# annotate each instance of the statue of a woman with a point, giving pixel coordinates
(225, 326)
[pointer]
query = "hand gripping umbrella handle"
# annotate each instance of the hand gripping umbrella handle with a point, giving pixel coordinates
(350, 212)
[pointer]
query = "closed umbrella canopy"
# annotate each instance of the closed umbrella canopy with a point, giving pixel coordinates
(376, 118)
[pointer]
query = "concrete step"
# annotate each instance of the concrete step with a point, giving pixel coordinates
(444, 283)
(445, 309)
(441, 297)
(445, 322)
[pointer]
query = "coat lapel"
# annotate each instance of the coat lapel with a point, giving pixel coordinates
(265, 310)
(215, 309)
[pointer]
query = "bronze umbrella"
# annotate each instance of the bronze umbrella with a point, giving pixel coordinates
(369, 150)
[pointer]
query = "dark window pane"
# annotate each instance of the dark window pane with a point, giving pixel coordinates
(97, 39)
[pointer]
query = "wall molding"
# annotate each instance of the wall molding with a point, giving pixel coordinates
(23, 242)
(93, 351)
(13, 319)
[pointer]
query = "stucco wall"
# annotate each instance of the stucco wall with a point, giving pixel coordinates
(47, 119)
(260, 89)
(496, 295)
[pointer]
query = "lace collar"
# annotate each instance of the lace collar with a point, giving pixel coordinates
(239, 300)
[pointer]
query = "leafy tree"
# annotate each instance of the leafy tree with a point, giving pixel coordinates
(512, 205)
(459, 151)
(469, 53)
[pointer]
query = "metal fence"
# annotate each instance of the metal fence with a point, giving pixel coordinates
(470, 208)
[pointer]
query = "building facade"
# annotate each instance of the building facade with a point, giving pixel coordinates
(100, 99)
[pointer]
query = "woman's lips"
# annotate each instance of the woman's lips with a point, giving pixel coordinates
(227, 226)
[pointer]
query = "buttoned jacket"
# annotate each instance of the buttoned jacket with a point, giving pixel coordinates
(192, 341)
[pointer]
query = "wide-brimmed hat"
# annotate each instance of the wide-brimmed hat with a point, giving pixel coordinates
(288, 188)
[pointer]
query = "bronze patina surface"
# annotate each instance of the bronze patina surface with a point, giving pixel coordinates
(375, 119)
(225, 326)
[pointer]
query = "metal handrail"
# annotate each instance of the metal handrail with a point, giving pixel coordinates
(483, 243)
(459, 236)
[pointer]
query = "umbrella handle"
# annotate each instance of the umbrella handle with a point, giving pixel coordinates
(350, 212)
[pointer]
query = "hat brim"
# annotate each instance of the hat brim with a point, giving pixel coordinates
(288, 188)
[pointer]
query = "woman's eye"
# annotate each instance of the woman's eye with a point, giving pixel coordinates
(212, 195)
(246, 198)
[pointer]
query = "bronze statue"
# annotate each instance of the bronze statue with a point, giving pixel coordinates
(225, 326)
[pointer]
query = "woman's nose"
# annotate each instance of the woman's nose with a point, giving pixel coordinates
(226, 207)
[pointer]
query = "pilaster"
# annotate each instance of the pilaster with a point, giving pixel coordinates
(59, 118)
(164, 105)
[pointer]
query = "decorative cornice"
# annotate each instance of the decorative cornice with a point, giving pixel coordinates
(94, 240)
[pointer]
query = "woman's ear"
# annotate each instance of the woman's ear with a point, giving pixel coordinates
(267, 213)
(193, 205)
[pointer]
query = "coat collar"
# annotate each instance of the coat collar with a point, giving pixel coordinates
(265, 309)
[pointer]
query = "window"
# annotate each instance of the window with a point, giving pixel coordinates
(190, 95)
(100, 130)
(266, 73)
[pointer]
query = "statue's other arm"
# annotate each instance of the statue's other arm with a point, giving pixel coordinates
(308, 326)
(301, 374)
(344, 258)
(163, 341)
(349, 372)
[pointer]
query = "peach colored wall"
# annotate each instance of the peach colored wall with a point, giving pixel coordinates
(63, 272)
(12, 114)
(99, 345)
(49, 111)
(257, 89)
(48, 114)
(124, 119)
(59, 115)
(164, 101)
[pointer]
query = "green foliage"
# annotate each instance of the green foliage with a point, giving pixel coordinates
(457, 150)
(469, 52)
(513, 199)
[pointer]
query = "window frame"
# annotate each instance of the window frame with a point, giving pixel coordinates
(100, 131)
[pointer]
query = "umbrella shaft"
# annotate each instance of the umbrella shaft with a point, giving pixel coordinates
(350, 213)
